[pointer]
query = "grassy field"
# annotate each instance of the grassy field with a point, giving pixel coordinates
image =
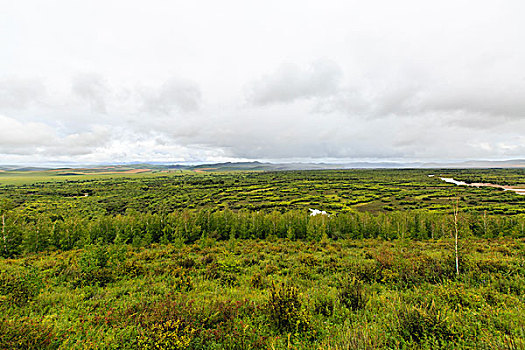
(279, 294)
(233, 260)
(29, 177)
(330, 190)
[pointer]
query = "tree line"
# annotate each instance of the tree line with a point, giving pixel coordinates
(39, 231)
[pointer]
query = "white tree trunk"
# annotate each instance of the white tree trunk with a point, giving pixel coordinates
(3, 233)
(456, 210)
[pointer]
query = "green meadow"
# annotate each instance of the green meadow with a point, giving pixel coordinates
(234, 260)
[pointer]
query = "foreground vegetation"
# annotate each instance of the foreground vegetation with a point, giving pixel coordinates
(253, 294)
(235, 261)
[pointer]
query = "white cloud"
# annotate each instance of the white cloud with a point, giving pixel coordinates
(296, 80)
(17, 137)
(36, 138)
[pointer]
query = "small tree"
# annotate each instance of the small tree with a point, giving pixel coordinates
(455, 209)
(9, 234)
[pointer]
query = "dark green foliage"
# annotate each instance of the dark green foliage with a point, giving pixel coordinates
(459, 296)
(181, 280)
(324, 305)
(182, 324)
(515, 284)
(207, 259)
(424, 323)
(131, 269)
(143, 229)
(97, 265)
(353, 295)
(228, 279)
(187, 263)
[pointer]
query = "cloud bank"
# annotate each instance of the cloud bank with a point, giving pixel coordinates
(308, 81)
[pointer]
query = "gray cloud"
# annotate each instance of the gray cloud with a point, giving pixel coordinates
(36, 138)
(474, 104)
(495, 99)
(92, 89)
(291, 82)
(175, 95)
(18, 93)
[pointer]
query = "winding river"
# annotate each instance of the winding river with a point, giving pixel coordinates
(482, 184)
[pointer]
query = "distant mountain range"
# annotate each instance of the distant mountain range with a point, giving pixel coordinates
(513, 163)
(261, 166)
(229, 166)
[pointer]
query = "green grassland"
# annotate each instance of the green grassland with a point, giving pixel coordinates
(254, 294)
(233, 260)
(330, 190)
(515, 177)
(29, 176)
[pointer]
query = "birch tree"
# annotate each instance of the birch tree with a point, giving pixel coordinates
(455, 209)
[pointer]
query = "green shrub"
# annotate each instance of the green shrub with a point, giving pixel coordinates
(97, 265)
(352, 294)
(167, 335)
(493, 266)
(285, 311)
(228, 279)
(26, 333)
(131, 269)
(270, 269)
(258, 281)
(188, 263)
(100, 277)
(229, 265)
(458, 296)
(418, 268)
(19, 285)
(207, 259)
(510, 285)
(424, 323)
(181, 280)
(309, 260)
(324, 305)
(366, 271)
(212, 271)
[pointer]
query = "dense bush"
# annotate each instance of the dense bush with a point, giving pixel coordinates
(144, 229)
(168, 335)
(424, 324)
(324, 305)
(19, 285)
(97, 265)
(352, 294)
(285, 310)
(27, 333)
(258, 281)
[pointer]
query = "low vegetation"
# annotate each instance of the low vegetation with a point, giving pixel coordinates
(253, 294)
(131, 266)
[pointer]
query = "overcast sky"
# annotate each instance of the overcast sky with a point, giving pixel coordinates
(121, 80)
